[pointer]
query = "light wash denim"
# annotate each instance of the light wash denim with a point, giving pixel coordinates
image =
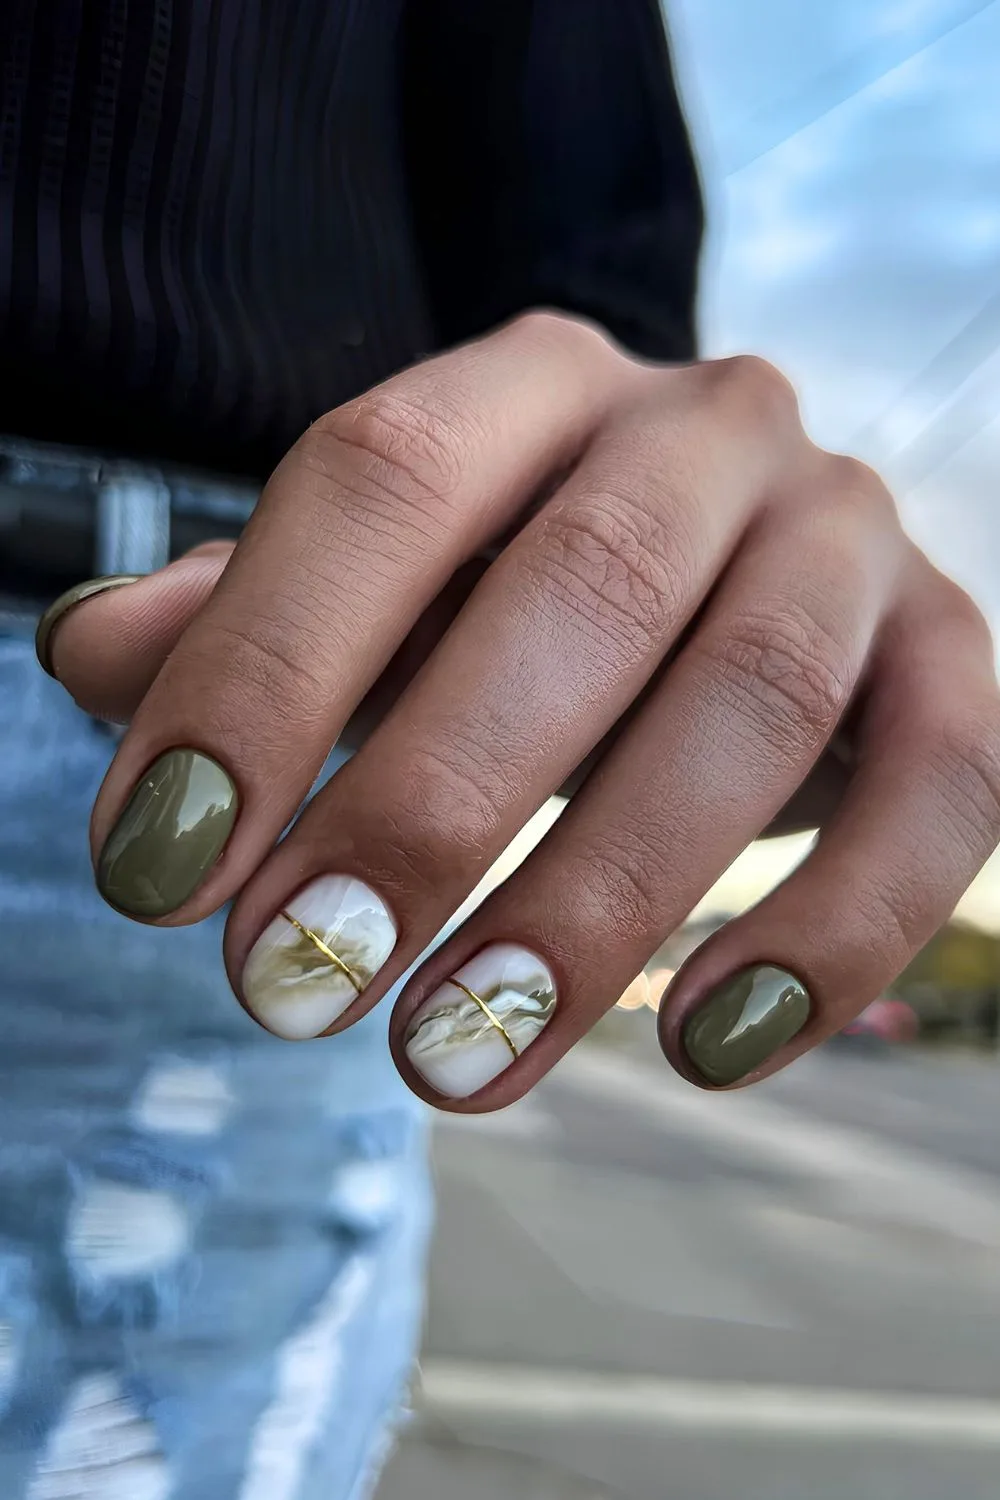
(211, 1241)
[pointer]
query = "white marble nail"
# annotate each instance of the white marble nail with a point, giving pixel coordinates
(316, 956)
(481, 1020)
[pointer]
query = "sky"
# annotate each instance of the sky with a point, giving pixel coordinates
(851, 158)
(854, 210)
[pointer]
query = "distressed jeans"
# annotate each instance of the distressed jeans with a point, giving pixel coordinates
(211, 1241)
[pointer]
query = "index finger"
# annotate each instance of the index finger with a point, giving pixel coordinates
(357, 531)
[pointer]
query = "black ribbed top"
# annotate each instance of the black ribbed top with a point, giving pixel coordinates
(219, 218)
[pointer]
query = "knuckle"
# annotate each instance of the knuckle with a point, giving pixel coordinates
(612, 564)
(966, 763)
(257, 657)
(548, 325)
(443, 824)
(751, 381)
(265, 666)
(784, 669)
(540, 323)
(849, 474)
(613, 896)
(849, 478)
(397, 445)
(888, 920)
(953, 604)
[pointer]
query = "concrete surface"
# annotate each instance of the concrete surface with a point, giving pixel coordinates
(645, 1292)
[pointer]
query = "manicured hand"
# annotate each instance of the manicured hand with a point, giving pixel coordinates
(687, 591)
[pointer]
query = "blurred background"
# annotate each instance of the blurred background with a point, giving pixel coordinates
(644, 1292)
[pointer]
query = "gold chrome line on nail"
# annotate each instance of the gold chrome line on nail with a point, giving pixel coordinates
(495, 1020)
(316, 956)
(481, 1019)
(334, 958)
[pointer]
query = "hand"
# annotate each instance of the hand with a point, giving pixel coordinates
(687, 585)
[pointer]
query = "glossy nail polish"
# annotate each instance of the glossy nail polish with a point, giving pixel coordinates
(744, 1021)
(171, 832)
(317, 955)
(481, 1019)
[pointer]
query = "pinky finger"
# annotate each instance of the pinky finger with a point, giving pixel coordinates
(919, 820)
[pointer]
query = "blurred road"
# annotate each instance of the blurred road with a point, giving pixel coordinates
(644, 1292)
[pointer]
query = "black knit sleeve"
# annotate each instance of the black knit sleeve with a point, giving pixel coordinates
(549, 164)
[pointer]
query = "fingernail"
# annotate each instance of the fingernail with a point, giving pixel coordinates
(60, 608)
(317, 956)
(745, 1021)
(481, 1019)
(173, 829)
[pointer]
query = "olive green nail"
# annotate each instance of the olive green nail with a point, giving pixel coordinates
(171, 832)
(745, 1021)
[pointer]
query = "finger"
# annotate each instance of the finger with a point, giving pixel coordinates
(557, 641)
(735, 725)
(920, 819)
(107, 650)
(356, 533)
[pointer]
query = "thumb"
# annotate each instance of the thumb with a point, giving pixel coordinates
(107, 650)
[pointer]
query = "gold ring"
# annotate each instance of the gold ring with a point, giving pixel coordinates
(62, 606)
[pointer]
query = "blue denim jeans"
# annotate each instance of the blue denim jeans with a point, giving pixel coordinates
(211, 1241)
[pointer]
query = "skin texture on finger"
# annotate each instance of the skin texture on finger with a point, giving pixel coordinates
(108, 659)
(921, 817)
(107, 651)
(558, 640)
(356, 533)
(742, 715)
